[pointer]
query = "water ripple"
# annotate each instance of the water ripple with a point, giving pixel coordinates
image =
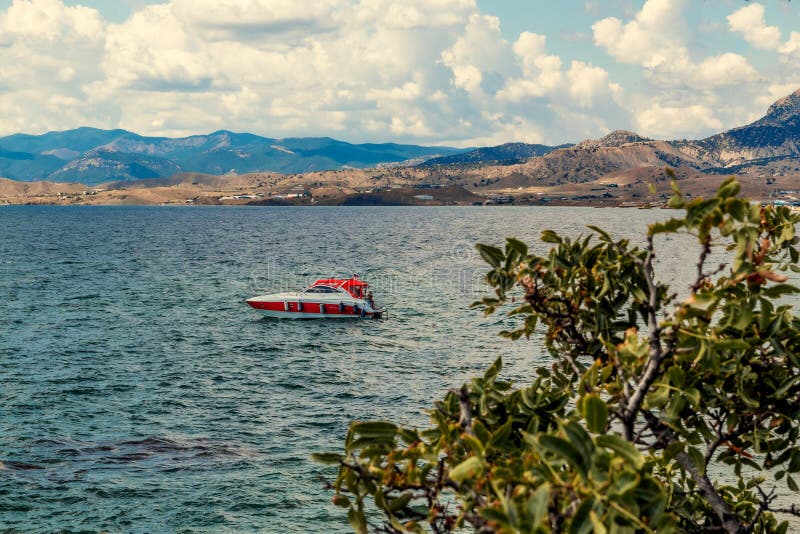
(140, 394)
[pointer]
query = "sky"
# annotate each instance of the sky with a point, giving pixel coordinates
(433, 72)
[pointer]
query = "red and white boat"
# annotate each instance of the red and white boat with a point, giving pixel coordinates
(335, 298)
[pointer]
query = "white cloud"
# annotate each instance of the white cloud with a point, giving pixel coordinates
(652, 39)
(687, 92)
(749, 21)
(481, 49)
(543, 76)
(656, 40)
(51, 20)
(154, 51)
(792, 46)
(676, 121)
(275, 16)
(586, 83)
(426, 71)
(725, 69)
(47, 50)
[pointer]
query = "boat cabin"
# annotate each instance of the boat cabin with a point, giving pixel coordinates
(353, 286)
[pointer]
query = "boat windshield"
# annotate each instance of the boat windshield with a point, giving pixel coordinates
(321, 289)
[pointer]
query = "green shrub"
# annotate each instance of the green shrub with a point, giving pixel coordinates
(647, 396)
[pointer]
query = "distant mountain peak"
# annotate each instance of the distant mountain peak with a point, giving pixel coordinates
(616, 138)
(506, 154)
(784, 108)
(620, 137)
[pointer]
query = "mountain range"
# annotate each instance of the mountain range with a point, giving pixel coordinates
(769, 145)
(92, 156)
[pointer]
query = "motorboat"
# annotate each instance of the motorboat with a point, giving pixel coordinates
(334, 298)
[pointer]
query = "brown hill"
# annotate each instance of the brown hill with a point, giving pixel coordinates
(589, 161)
(12, 188)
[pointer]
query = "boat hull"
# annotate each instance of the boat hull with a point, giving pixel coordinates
(304, 315)
(288, 306)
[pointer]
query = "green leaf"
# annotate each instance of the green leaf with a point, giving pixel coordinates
(537, 504)
(743, 318)
(597, 526)
(666, 227)
(565, 450)
(699, 209)
(517, 246)
(622, 447)
(581, 522)
(341, 501)
(697, 459)
(792, 484)
(480, 431)
(676, 376)
(676, 201)
(694, 397)
(408, 436)
(595, 411)
(492, 372)
(400, 502)
(606, 237)
(729, 188)
(357, 521)
(581, 440)
(779, 290)
(500, 435)
(469, 468)
(549, 236)
(492, 255)
(327, 458)
(474, 444)
(375, 429)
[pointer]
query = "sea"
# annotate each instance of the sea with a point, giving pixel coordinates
(139, 393)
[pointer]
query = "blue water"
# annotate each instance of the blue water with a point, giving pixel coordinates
(138, 393)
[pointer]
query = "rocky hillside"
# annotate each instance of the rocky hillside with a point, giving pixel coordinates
(593, 159)
(775, 135)
(768, 146)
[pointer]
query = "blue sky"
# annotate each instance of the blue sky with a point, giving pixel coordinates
(457, 72)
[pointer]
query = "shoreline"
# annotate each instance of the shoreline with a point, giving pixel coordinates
(309, 190)
(317, 205)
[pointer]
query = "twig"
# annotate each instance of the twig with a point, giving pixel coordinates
(793, 510)
(701, 277)
(465, 419)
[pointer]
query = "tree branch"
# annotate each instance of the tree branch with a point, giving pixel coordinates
(657, 354)
(730, 522)
(725, 437)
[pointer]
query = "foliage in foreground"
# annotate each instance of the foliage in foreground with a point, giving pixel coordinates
(657, 414)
